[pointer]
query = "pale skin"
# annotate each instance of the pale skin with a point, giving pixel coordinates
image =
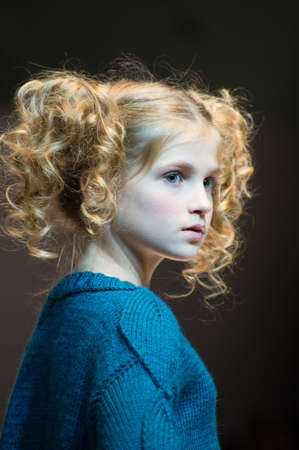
(154, 207)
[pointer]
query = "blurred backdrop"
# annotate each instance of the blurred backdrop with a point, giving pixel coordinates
(250, 347)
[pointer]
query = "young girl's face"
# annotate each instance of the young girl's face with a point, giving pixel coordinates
(175, 193)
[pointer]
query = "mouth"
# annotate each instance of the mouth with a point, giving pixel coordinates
(197, 227)
(193, 234)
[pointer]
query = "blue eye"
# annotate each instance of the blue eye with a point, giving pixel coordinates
(209, 182)
(212, 183)
(171, 174)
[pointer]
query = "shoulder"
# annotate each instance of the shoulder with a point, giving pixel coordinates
(144, 307)
(152, 332)
(114, 327)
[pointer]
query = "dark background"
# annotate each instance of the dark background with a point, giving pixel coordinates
(250, 347)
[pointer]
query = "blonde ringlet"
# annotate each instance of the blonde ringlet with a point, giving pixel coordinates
(69, 125)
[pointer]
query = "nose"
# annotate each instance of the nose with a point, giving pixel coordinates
(201, 203)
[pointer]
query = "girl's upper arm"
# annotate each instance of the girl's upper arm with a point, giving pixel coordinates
(131, 412)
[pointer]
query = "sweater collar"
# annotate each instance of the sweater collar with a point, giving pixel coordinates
(87, 281)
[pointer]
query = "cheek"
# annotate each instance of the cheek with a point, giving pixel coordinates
(162, 207)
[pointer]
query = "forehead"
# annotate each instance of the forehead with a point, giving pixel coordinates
(193, 143)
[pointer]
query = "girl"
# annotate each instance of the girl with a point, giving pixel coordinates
(130, 172)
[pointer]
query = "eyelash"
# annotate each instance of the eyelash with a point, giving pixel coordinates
(213, 179)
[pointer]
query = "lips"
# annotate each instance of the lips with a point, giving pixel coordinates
(196, 227)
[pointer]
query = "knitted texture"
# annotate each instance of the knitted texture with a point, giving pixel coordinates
(107, 366)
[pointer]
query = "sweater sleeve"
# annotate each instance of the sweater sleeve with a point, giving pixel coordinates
(131, 412)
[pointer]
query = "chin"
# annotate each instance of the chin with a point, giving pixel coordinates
(183, 257)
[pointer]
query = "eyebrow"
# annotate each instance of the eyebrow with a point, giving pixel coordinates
(186, 165)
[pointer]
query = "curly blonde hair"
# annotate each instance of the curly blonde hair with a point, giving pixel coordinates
(68, 124)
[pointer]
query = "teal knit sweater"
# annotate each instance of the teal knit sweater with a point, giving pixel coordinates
(108, 367)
